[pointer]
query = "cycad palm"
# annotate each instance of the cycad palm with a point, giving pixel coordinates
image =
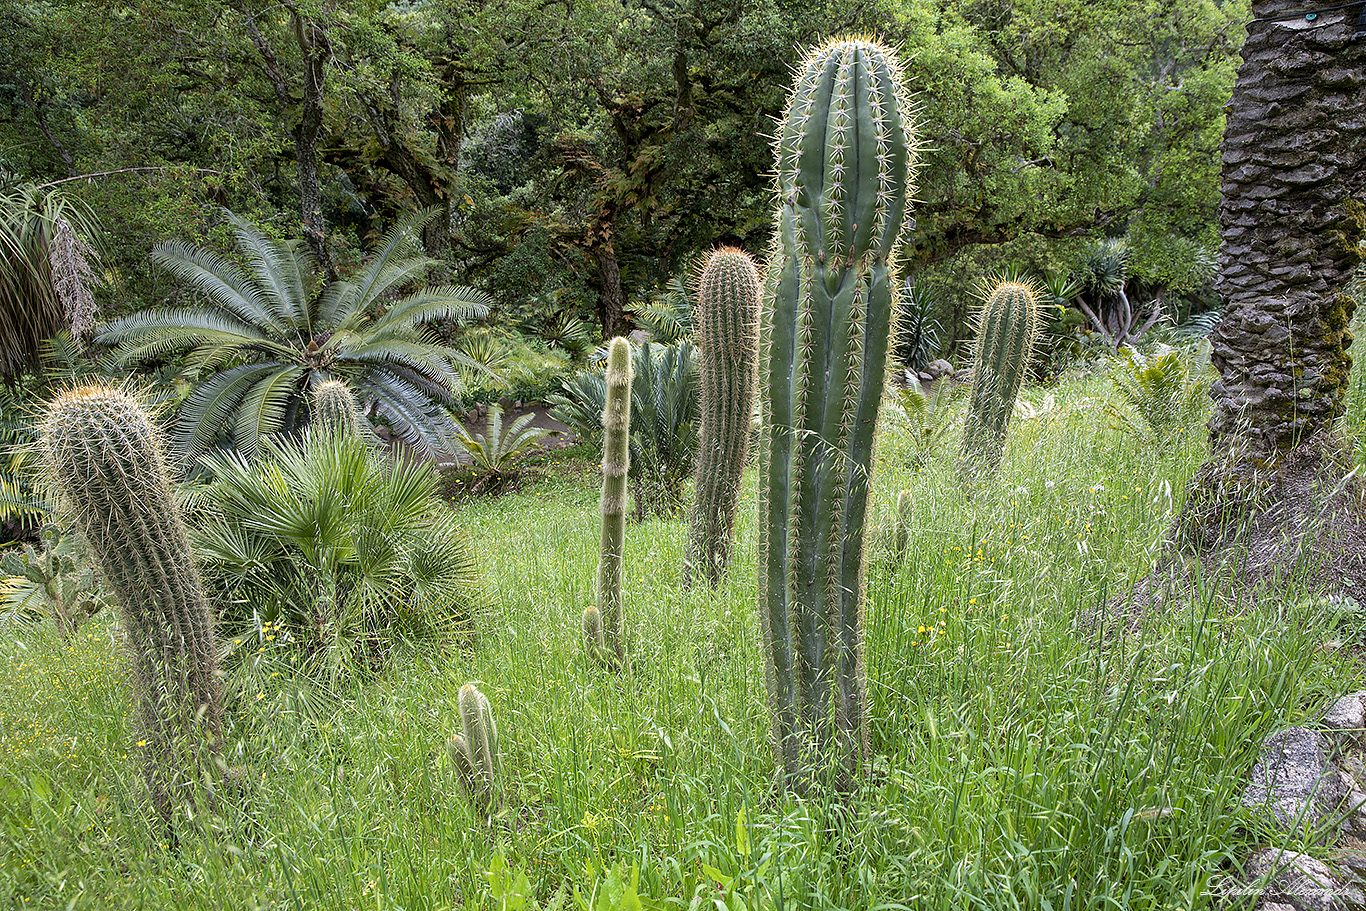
(265, 334)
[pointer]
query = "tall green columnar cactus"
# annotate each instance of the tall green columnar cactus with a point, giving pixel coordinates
(726, 318)
(1007, 332)
(107, 461)
(844, 155)
(335, 409)
(475, 750)
(616, 462)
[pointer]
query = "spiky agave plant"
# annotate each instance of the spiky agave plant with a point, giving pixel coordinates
(1008, 329)
(108, 463)
(727, 320)
(844, 154)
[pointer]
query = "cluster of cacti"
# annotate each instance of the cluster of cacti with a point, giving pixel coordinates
(844, 155)
(475, 750)
(726, 319)
(335, 410)
(108, 464)
(1007, 331)
(610, 622)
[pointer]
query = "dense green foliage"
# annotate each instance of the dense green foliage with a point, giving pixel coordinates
(578, 155)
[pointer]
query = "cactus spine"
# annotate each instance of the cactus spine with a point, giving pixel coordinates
(594, 642)
(903, 524)
(107, 461)
(726, 320)
(335, 409)
(616, 463)
(1007, 332)
(475, 750)
(844, 154)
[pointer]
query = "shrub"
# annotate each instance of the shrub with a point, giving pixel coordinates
(344, 551)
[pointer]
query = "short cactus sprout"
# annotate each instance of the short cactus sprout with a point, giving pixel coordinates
(475, 749)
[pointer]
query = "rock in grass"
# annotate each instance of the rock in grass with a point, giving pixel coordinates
(1294, 786)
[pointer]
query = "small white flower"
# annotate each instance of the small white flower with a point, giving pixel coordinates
(1048, 485)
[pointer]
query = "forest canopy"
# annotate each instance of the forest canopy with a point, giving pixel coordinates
(580, 155)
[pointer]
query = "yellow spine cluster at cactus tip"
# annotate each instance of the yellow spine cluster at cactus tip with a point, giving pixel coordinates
(106, 460)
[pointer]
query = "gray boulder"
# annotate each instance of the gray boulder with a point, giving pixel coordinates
(1294, 786)
(1300, 881)
(939, 368)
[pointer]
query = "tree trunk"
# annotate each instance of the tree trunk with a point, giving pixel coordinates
(1291, 219)
(317, 51)
(611, 297)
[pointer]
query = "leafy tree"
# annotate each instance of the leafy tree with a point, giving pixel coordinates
(267, 333)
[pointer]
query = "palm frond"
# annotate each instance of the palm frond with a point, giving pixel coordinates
(207, 414)
(280, 269)
(218, 278)
(262, 409)
(455, 302)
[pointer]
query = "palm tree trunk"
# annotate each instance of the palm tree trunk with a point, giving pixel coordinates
(1294, 178)
(1275, 490)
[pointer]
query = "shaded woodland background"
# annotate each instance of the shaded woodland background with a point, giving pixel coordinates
(581, 153)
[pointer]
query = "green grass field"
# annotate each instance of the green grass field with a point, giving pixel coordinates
(1021, 760)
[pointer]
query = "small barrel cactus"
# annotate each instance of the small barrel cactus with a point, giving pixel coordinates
(726, 318)
(1008, 329)
(107, 462)
(475, 750)
(844, 153)
(616, 464)
(335, 409)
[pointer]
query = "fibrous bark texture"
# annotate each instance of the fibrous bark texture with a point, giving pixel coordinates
(1276, 492)
(1294, 176)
